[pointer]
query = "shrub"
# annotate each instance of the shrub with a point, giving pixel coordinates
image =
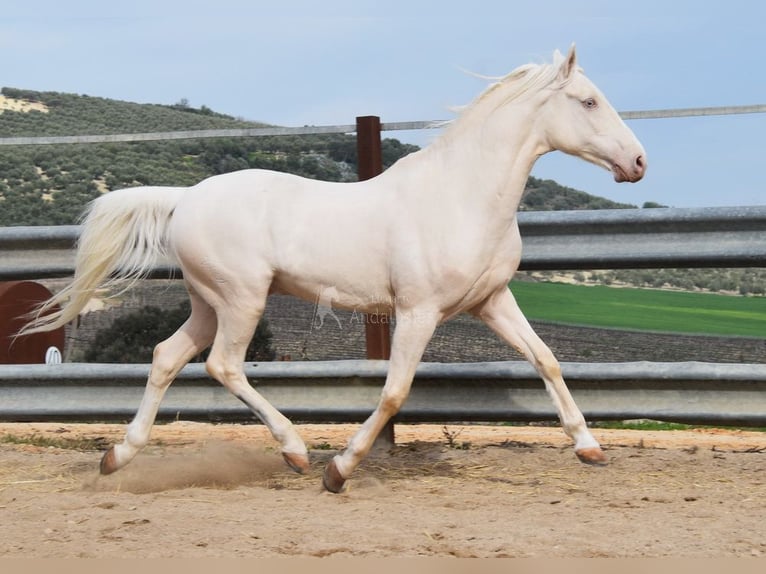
(132, 338)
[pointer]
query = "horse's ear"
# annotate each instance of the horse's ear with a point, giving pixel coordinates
(569, 65)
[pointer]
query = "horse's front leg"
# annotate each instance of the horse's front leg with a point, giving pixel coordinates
(413, 331)
(501, 312)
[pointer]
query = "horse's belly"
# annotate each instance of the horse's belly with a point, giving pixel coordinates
(335, 294)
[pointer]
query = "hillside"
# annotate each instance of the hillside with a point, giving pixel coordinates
(547, 195)
(49, 185)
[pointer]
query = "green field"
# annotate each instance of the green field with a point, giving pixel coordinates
(642, 309)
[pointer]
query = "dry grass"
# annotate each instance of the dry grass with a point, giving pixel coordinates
(62, 442)
(40, 478)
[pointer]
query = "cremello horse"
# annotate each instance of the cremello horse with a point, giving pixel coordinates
(433, 236)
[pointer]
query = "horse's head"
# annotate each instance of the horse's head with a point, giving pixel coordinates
(577, 119)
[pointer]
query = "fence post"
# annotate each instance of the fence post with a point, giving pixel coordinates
(377, 329)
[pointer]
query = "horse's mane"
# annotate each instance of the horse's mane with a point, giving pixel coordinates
(526, 79)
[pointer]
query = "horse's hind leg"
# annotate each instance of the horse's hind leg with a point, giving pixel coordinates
(236, 326)
(503, 316)
(170, 356)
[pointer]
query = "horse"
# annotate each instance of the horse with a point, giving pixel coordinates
(433, 236)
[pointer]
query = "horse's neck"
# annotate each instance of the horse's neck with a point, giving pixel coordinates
(480, 168)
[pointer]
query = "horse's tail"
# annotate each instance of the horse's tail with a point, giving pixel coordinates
(123, 235)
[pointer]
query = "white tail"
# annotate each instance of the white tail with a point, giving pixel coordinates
(124, 234)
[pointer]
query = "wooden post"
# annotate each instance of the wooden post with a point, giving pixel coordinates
(377, 326)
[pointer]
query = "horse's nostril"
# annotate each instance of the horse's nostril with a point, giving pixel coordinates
(640, 162)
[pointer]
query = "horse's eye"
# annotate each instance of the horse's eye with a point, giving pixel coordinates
(589, 103)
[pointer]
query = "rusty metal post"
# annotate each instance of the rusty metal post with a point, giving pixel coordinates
(370, 164)
(377, 326)
(17, 300)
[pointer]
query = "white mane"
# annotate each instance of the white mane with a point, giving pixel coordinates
(526, 79)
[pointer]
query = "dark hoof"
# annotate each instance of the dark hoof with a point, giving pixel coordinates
(332, 479)
(298, 462)
(108, 462)
(594, 456)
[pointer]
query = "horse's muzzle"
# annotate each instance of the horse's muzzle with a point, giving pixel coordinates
(633, 173)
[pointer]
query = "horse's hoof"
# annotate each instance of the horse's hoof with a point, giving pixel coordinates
(332, 479)
(298, 462)
(593, 455)
(108, 462)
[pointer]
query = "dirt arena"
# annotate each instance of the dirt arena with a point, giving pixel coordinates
(205, 490)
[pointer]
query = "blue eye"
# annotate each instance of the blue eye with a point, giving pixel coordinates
(589, 103)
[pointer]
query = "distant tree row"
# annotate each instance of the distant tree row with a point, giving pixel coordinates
(71, 114)
(748, 281)
(547, 195)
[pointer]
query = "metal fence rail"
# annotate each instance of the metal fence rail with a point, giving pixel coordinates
(342, 391)
(338, 129)
(641, 238)
(598, 239)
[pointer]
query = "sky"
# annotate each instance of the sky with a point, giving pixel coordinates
(301, 62)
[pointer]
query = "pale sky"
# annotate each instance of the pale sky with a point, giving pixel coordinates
(298, 62)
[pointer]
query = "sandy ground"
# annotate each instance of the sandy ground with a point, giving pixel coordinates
(14, 105)
(203, 490)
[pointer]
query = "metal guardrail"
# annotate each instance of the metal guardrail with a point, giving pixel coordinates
(633, 238)
(598, 239)
(698, 393)
(347, 391)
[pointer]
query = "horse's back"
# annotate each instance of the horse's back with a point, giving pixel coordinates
(304, 234)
